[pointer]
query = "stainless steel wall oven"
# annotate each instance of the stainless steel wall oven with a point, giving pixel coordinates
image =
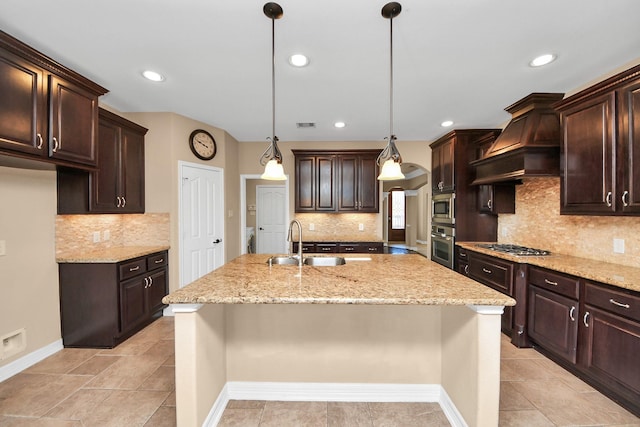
(442, 244)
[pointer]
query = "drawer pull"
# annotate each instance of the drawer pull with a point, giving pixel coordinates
(584, 319)
(158, 261)
(549, 282)
(136, 268)
(486, 271)
(462, 255)
(573, 309)
(619, 304)
(348, 249)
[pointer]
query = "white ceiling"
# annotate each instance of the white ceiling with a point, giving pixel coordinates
(463, 60)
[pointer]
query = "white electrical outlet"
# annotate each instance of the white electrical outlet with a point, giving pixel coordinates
(361, 227)
(618, 246)
(96, 236)
(312, 226)
(106, 235)
(3, 247)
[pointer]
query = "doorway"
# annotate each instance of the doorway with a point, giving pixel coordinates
(270, 220)
(201, 219)
(249, 209)
(396, 216)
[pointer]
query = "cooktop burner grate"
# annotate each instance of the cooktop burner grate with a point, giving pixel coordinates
(515, 249)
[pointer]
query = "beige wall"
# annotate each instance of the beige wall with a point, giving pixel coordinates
(538, 223)
(28, 271)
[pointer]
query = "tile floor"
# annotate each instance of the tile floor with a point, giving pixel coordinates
(133, 385)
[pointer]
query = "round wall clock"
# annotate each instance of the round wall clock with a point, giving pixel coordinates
(202, 144)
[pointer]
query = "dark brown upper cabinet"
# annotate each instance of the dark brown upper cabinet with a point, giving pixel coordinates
(601, 148)
(47, 112)
(442, 166)
(336, 181)
(118, 185)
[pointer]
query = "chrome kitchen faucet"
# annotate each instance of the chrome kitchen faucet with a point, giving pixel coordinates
(290, 240)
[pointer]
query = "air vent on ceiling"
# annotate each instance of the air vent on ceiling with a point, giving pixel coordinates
(303, 125)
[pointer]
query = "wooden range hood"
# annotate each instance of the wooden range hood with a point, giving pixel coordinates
(529, 145)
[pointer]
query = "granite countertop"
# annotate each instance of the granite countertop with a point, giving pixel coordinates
(605, 272)
(108, 255)
(371, 279)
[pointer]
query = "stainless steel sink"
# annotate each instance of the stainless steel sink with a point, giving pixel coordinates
(282, 260)
(324, 261)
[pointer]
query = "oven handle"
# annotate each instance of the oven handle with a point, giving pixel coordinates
(441, 237)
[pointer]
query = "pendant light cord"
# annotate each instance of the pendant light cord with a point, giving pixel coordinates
(273, 78)
(391, 77)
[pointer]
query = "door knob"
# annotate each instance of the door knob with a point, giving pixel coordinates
(261, 228)
(217, 241)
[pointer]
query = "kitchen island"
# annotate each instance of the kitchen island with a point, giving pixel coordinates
(379, 328)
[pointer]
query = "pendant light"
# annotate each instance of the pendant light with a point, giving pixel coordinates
(271, 159)
(390, 158)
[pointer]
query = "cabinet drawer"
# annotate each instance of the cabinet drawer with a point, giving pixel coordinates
(462, 253)
(326, 247)
(374, 248)
(555, 282)
(156, 260)
(350, 248)
(620, 302)
(133, 268)
(492, 272)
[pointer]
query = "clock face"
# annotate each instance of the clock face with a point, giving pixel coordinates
(202, 144)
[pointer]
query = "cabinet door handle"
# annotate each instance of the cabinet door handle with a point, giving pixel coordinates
(608, 199)
(490, 204)
(584, 319)
(136, 268)
(619, 304)
(573, 309)
(159, 261)
(56, 145)
(119, 202)
(466, 269)
(625, 198)
(549, 282)
(486, 271)
(150, 281)
(124, 202)
(40, 141)
(146, 282)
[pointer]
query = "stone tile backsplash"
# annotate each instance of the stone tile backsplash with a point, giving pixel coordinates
(76, 232)
(339, 227)
(538, 223)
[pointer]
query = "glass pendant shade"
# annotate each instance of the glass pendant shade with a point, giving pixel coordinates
(390, 171)
(273, 171)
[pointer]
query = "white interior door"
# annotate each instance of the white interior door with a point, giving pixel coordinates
(201, 220)
(271, 227)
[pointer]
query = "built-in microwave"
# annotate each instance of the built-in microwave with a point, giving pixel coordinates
(443, 208)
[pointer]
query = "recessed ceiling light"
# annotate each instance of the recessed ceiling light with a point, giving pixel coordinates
(542, 60)
(298, 60)
(446, 123)
(153, 76)
(339, 124)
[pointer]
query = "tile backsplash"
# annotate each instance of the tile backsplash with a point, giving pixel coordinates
(340, 227)
(538, 223)
(76, 232)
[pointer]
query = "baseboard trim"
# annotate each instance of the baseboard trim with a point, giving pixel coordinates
(29, 360)
(333, 392)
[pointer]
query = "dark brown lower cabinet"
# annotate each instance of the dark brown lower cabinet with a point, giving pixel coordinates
(552, 322)
(609, 345)
(497, 274)
(102, 304)
(340, 247)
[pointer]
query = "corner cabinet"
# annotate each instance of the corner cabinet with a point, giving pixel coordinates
(118, 186)
(47, 112)
(336, 181)
(102, 304)
(601, 148)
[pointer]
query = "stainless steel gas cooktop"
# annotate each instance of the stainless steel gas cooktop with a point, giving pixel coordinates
(514, 249)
